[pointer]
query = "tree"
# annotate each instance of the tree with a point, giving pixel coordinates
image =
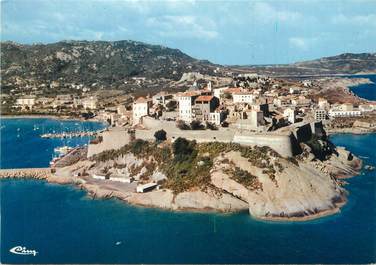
(171, 105)
(160, 136)
(227, 95)
(184, 150)
(196, 125)
(225, 124)
(211, 126)
(182, 125)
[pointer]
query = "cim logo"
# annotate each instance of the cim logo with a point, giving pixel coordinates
(19, 250)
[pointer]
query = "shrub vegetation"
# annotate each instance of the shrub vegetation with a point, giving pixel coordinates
(187, 164)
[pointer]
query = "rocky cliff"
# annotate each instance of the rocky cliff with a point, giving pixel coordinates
(222, 177)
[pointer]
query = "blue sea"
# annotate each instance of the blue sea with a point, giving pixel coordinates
(367, 91)
(64, 225)
(22, 146)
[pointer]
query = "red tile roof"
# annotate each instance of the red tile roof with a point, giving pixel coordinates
(189, 94)
(204, 98)
(142, 100)
(233, 90)
(242, 93)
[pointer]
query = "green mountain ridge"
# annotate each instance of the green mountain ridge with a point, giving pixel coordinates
(103, 62)
(111, 63)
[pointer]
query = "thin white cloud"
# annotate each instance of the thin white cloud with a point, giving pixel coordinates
(266, 13)
(359, 20)
(303, 44)
(183, 27)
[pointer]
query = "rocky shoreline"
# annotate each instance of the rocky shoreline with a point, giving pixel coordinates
(265, 204)
(338, 89)
(356, 131)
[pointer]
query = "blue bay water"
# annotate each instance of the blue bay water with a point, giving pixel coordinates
(66, 226)
(22, 146)
(367, 91)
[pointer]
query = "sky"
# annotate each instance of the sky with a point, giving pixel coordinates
(224, 32)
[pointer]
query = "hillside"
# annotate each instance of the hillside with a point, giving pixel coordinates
(116, 64)
(343, 63)
(102, 62)
(347, 63)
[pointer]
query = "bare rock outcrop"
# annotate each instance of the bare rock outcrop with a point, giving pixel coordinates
(297, 192)
(200, 200)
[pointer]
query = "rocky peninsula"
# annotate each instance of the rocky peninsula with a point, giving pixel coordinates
(337, 89)
(214, 176)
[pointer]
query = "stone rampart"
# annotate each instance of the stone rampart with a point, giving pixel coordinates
(280, 143)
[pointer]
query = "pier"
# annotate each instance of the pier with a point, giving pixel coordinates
(36, 173)
(68, 134)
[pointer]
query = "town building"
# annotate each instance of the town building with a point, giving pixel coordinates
(26, 101)
(140, 109)
(77, 102)
(203, 105)
(250, 120)
(294, 90)
(282, 102)
(333, 113)
(320, 114)
(243, 97)
(346, 107)
(218, 92)
(90, 103)
(258, 106)
(44, 101)
(64, 99)
(121, 110)
(290, 114)
(186, 101)
(216, 117)
(162, 98)
(301, 101)
(323, 104)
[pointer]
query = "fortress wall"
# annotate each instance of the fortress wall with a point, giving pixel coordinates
(198, 135)
(113, 139)
(153, 125)
(286, 145)
(318, 129)
(280, 143)
(303, 133)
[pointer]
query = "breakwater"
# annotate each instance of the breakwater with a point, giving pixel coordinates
(68, 134)
(37, 173)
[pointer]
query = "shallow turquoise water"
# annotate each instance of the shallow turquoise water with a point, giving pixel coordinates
(65, 226)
